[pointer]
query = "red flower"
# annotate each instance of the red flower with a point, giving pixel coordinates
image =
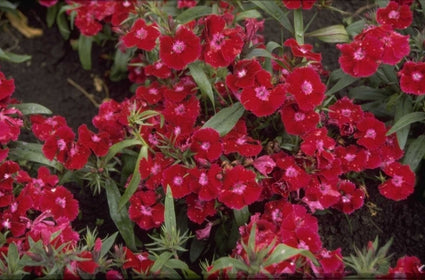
(401, 184)
(221, 45)
(412, 78)
(206, 183)
(86, 22)
(296, 4)
(122, 9)
(317, 143)
(182, 114)
(10, 127)
(158, 69)
(176, 177)
(58, 144)
(243, 76)
(178, 51)
(98, 143)
(302, 50)
(239, 188)
(237, 141)
(293, 175)
(351, 197)
(370, 133)
(151, 170)
(186, 86)
(186, 3)
(331, 264)
(305, 85)
(296, 121)
(206, 145)
(151, 94)
(77, 156)
(198, 210)
(407, 267)
(141, 35)
(136, 73)
(43, 128)
(111, 119)
(8, 170)
(263, 98)
(7, 87)
(85, 265)
(145, 211)
(361, 58)
(47, 3)
(139, 262)
(321, 194)
(60, 202)
(345, 115)
(353, 158)
(395, 45)
(398, 16)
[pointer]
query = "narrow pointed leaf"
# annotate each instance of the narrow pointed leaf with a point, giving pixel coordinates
(193, 13)
(62, 22)
(135, 179)
(406, 120)
(228, 262)
(259, 53)
(415, 152)
(331, 34)
(13, 57)
(169, 213)
(342, 83)
(84, 51)
(118, 147)
(226, 119)
(241, 215)
(107, 244)
(51, 15)
(271, 8)
(120, 215)
(403, 108)
(31, 152)
(283, 252)
(32, 108)
(247, 14)
(201, 80)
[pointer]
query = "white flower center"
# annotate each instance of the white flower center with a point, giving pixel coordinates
(359, 54)
(141, 33)
(205, 146)
(350, 157)
(155, 168)
(203, 179)
(239, 188)
(397, 180)
(146, 210)
(262, 93)
(393, 15)
(370, 133)
(179, 110)
(241, 73)
(291, 172)
(306, 87)
(61, 202)
(346, 112)
(61, 144)
(217, 41)
(299, 116)
(416, 76)
(178, 180)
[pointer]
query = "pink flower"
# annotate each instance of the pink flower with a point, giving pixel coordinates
(412, 78)
(401, 184)
(178, 51)
(141, 35)
(305, 85)
(264, 164)
(396, 15)
(239, 188)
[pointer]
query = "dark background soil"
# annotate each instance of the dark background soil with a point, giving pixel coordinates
(43, 80)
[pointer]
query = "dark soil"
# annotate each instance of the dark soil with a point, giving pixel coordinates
(43, 80)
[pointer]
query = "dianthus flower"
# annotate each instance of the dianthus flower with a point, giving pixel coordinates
(185, 87)
(44, 127)
(263, 99)
(98, 143)
(292, 175)
(345, 115)
(396, 15)
(60, 202)
(238, 141)
(222, 44)
(370, 133)
(302, 50)
(296, 4)
(321, 194)
(141, 35)
(10, 126)
(151, 94)
(412, 78)
(158, 69)
(297, 121)
(140, 262)
(407, 267)
(239, 188)
(176, 177)
(401, 184)
(361, 58)
(305, 85)
(145, 211)
(351, 197)
(151, 169)
(7, 87)
(352, 158)
(198, 210)
(244, 72)
(178, 51)
(206, 145)
(206, 183)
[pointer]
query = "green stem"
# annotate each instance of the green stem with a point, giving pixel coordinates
(299, 26)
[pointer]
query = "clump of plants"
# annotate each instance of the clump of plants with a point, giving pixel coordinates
(217, 163)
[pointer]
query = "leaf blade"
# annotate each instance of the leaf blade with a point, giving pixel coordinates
(224, 121)
(406, 120)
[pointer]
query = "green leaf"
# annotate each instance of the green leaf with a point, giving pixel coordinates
(356, 27)
(120, 215)
(342, 83)
(259, 53)
(169, 212)
(247, 14)
(367, 93)
(271, 46)
(271, 8)
(8, 6)
(403, 107)
(193, 13)
(107, 244)
(228, 262)
(119, 68)
(196, 249)
(201, 80)
(31, 152)
(406, 120)
(14, 58)
(178, 264)
(389, 72)
(241, 215)
(62, 22)
(331, 34)
(51, 15)
(31, 108)
(84, 51)
(226, 119)
(118, 147)
(135, 179)
(160, 261)
(415, 152)
(283, 252)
